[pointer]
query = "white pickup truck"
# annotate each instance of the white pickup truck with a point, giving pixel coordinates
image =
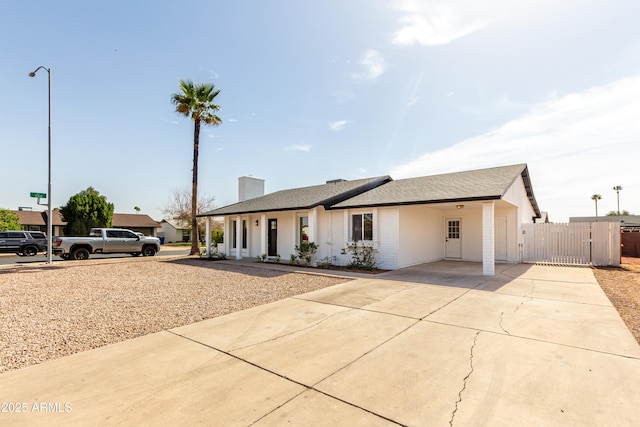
(106, 241)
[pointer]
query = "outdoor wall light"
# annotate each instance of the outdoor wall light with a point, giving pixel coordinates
(459, 206)
(257, 222)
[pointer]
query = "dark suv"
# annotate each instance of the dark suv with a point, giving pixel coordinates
(23, 243)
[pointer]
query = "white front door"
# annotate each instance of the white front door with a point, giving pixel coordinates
(452, 237)
(500, 239)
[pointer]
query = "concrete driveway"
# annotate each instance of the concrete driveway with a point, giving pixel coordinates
(437, 344)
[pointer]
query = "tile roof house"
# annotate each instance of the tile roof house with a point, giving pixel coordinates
(472, 215)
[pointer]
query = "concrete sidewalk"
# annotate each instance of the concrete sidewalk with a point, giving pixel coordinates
(437, 344)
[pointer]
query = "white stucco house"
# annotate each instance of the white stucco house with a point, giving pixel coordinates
(472, 216)
(174, 231)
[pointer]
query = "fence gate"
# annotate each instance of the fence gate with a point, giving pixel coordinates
(579, 243)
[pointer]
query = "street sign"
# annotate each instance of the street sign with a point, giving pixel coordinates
(39, 195)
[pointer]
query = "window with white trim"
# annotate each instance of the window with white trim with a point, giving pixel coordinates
(362, 227)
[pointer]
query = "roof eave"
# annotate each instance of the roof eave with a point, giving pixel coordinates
(419, 202)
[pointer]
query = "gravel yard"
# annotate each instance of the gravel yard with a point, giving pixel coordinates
(622, 286)
(48, 312)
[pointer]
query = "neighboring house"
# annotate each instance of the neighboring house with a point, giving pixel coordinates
(174, 231)
(626, 221)
(35, 220)
(472, 215)
(141, 223)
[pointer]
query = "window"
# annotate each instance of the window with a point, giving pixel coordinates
(362, 226)
(304, 229)
(453, 229)
(234, 234)
(244, 234)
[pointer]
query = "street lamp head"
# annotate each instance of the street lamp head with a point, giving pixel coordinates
(33, 73)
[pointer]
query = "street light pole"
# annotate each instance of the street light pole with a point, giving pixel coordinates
(49, 208)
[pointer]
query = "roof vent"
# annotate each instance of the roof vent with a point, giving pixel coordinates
(335, 181)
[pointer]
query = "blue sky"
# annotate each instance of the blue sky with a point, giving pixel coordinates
(313, 91)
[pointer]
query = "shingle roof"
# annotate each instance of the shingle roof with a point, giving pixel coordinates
(38, 218)
(301, 198)
(133, 220)
(481, 184)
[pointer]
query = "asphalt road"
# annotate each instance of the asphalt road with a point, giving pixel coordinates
(6, 259)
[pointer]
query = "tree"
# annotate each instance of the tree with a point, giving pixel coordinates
(617, 189)
(617, 213)
(595, 198)
(196, 101)
(9, 220)
(86, 210)
(178, 207)
(137, 209)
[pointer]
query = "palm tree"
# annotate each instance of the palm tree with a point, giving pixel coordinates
(196, 101)
(617, 189)
(595, 198)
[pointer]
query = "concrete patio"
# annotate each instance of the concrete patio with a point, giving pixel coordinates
(437, 344)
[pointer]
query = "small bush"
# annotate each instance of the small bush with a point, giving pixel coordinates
(307, 252)
(362, 256)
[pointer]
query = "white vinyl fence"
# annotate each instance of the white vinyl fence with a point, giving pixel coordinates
(581, 243)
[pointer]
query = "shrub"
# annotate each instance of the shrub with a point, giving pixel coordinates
(307, 252)
(362, 256)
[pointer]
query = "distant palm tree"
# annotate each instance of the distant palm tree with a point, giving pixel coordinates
(617, 189)
(595, 198)
(196, 101)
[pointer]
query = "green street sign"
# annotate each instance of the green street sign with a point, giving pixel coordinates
(39, 195)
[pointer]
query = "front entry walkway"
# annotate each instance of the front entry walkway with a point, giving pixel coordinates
(438, 344)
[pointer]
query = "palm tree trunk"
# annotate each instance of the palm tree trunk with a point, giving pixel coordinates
(195, 243)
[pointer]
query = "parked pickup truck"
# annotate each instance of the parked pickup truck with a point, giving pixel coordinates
(106, 241)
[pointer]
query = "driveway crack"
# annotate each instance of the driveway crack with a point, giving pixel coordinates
(501, 319)
(464, 381)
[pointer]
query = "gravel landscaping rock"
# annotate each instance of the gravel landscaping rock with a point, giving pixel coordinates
(622, 287)
(50, 311)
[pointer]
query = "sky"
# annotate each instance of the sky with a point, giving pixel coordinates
(315, 91)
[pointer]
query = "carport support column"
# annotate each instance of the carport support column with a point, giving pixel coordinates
(238, 237)
(208, 235)
(488, 244)
(263, 234)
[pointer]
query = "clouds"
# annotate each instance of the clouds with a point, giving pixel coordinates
(337, 125)
(575, 145)
(437, 22)
(373, 66)
(298, 147)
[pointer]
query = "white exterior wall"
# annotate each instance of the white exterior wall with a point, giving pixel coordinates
(388, 238)
(421, 235)
(513, 234)
(517, 195)
(170, 233)
(324, 232)
(339, 237)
